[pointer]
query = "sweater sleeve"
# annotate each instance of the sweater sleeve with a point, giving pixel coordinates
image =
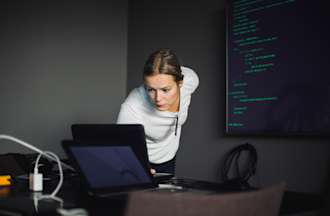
(190, 79)
(130, 112)
(127, 115)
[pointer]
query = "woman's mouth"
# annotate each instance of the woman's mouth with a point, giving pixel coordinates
(160, 105)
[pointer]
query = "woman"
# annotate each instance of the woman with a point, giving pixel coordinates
(161, 106)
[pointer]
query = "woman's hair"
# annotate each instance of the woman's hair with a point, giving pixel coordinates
(163, 61)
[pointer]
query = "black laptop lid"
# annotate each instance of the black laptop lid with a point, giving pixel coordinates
(108, 169)
(132, 135)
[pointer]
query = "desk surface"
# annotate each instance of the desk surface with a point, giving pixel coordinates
(18, 200)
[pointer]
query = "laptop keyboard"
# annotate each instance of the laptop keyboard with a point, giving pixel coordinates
(195, 184)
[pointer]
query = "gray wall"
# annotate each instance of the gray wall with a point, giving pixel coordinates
(196, 31)
(62, 62)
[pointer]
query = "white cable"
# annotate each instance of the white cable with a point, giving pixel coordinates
(31, 147)
(38, 197)
(59, 185)
(60, 210)
(72, 212)
(52, 156)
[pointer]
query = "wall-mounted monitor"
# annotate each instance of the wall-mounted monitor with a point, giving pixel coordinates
(278, 67)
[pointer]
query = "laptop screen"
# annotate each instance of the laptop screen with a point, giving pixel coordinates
(111, 168)
(114, 134)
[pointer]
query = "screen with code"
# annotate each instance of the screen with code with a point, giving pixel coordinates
(278, 67)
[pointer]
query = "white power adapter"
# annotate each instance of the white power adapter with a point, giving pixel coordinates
(35, 181)
(36, 178)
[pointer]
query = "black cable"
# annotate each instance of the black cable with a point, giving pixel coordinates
(232, 161)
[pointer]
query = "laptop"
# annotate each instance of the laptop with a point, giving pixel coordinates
(108, 170)
(132, 135)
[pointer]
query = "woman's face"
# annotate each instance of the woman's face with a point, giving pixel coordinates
(164, 91)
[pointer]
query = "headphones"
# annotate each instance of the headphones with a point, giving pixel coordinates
(242, 174)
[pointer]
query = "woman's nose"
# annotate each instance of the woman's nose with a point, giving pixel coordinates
(157, 96)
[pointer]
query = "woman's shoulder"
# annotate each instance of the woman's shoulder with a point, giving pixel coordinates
(137, 97)
(190, 79)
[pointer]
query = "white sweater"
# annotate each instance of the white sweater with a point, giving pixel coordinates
(159, 126)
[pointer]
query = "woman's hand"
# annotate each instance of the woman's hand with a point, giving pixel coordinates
(152, 171)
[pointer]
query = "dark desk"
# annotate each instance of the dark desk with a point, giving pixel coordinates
(297, 202)
(18, 200)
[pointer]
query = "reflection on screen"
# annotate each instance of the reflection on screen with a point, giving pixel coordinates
(107, 166)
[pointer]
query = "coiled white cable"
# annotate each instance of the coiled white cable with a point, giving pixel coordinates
(52, 196)
(51, 154)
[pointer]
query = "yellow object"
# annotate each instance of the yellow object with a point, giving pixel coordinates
(5, 180)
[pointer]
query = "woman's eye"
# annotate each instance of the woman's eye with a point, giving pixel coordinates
(165, 90)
